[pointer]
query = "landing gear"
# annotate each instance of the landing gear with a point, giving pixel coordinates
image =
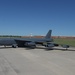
(14, 46)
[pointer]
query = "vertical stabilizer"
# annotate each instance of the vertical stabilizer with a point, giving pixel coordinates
(48, 35)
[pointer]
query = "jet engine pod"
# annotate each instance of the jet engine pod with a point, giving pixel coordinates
(56, 44)
(30, 44)
(65, 46)
(50, 45)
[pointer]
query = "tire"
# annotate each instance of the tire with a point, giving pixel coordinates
(14, 46)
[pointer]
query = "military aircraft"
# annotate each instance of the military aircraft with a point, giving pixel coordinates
(47, 41)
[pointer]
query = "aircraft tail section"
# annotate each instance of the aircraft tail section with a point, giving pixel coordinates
(48, 35)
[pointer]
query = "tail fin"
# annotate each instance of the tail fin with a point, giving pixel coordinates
(48, 35)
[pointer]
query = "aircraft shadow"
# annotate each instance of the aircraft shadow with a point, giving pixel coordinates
(5, 47)
(29, 48)
(49, 49)
(64, 49)
(46, 49)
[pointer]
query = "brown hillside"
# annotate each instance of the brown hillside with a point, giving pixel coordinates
(65, 37)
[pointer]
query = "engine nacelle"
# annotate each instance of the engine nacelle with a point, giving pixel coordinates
(56, 44)
(50, 45)
(65, 46)
(30, 44)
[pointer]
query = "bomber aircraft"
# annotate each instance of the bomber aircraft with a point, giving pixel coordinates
(47, 41)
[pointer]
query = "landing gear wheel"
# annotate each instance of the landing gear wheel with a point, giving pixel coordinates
(14, 46)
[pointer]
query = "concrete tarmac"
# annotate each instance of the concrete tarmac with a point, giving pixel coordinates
(39, 61)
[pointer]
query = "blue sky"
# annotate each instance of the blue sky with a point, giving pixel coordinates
(22, 17)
